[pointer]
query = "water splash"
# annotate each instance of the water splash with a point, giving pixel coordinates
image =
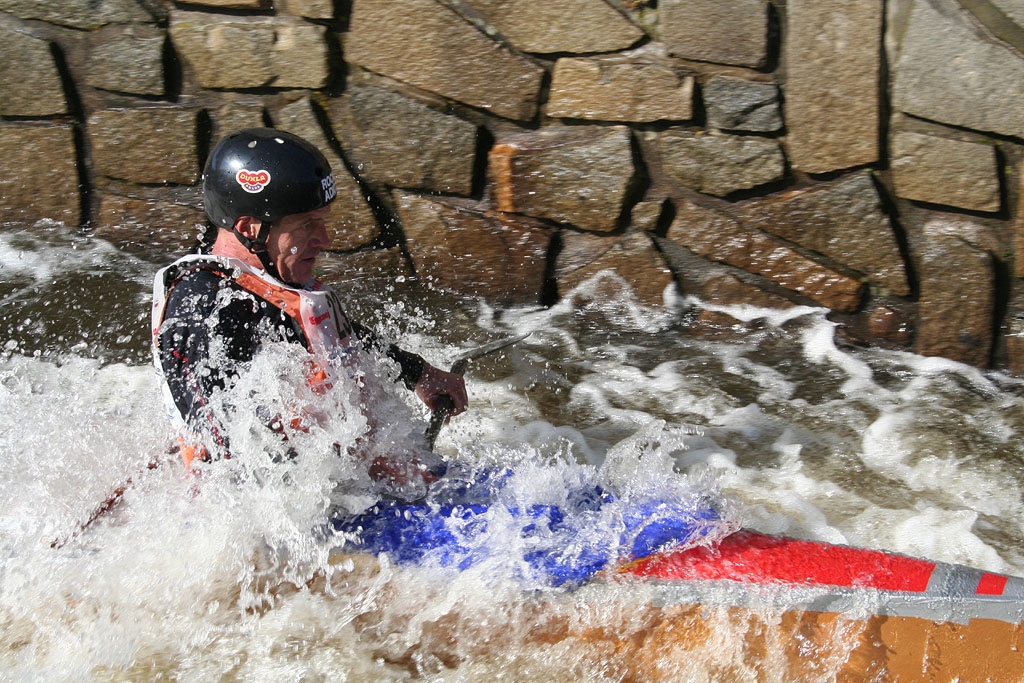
(218, 577)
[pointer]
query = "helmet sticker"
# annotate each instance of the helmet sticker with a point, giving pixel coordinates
(253, 181)
(327, 185)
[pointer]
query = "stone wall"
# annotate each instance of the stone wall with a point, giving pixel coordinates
(862, 156)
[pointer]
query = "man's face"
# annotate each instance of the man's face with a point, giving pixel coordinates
(295, 241)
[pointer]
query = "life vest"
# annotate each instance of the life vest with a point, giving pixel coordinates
(317, 310)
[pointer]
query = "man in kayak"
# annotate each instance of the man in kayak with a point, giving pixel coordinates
(269, 194)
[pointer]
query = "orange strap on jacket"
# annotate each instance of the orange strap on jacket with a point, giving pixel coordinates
(290, 303)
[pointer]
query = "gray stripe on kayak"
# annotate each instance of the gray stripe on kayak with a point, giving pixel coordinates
(950, 597)
(953, 581)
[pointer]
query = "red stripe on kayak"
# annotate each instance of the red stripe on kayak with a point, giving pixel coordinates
(991, 584)
(756, 558)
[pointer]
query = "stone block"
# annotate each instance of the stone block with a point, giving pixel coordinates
(458, 247)
(128, 59)
(843, 220)
(950, 71)
(928, 168)
(311, 9)
(579, 175)
(578, 26)
(633, 258)
(890, 324)
(957, 301)
(646, 214)
(368, 271)
(236, 4)
(1013, 10)
(244, 52)
(718, 237)
(833, 61)
(371, 279)
(740, 104)
(147, 223)
(39, 174)
(607, 90)
(30, 83)
(720, 164)
(1017, 227)
(725, 289)
(84, 14)
(717, 282)
(734, 32)
(353, 223)
(401, 142)
(1015, 344)
(425, 44)
(235, 116)
(150, 146)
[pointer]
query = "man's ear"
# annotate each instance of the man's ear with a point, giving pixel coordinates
(248, 226)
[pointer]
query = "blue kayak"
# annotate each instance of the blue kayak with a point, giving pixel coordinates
(556, 545)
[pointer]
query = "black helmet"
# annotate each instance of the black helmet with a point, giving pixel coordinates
(267, 174)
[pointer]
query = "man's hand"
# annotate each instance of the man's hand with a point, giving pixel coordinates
(436, 384)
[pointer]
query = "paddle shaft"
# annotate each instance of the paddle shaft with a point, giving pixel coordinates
(106, 506)
(444, 406)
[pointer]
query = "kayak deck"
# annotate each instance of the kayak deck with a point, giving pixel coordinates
(901, 585)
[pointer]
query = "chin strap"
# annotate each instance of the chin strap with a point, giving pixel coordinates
(258, 247)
